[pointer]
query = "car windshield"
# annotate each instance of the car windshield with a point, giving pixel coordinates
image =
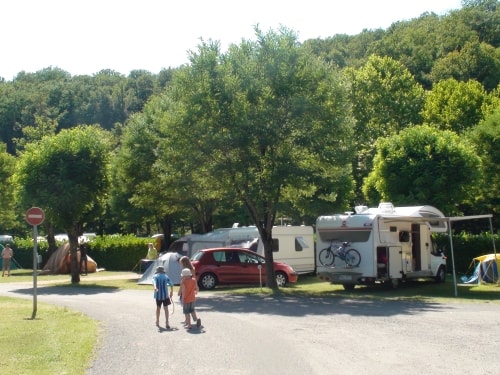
(197, 255)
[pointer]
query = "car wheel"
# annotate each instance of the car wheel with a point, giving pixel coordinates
(207, 281)
(281, 279)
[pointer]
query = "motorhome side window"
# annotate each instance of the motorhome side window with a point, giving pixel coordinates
(404, 236)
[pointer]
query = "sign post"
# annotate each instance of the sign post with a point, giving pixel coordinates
(35, 216)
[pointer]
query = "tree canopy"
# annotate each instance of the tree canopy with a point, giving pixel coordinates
(265, 118)
(272, 127)
(65, 175)
(423, 164)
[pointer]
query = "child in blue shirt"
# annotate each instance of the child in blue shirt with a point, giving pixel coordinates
(161, 282)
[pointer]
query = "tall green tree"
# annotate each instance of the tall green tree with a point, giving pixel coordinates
(482, 16)
(7, 216)
(454, 105)
(138, 194)
(265, 118)
(475, 61)
(386, 99)
(486, 138)
(424, 165)
(66, 175)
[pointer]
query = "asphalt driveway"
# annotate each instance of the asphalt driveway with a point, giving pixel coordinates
(266, 335)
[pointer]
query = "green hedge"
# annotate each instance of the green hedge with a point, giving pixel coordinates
(114, 253)
(465, 247)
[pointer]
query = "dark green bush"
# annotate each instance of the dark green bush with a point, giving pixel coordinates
(118, 253)
(465, 247)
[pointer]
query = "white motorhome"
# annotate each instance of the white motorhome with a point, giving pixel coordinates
(293, 245)
(385, 244)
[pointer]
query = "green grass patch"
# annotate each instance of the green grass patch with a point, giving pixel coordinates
(421, 290)
(307, 286)
(57, 341)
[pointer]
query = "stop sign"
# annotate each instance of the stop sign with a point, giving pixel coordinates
(35, 216)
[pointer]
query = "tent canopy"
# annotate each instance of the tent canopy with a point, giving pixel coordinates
(169, 261)
(60, 263)
(484, 269)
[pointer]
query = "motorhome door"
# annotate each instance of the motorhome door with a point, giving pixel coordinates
(395, 262)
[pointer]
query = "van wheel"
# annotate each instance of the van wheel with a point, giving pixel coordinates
(207, 281)
(348, 286)
(441, 275)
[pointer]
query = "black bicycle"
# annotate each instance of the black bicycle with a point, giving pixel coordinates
(351, 257)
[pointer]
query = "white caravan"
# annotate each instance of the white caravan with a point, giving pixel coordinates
(385, 244)
(293, 245)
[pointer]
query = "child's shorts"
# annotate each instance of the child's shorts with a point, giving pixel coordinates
(188, 308)
(164, 302)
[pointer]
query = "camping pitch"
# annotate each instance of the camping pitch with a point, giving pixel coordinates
(59, 262)
(483, 269)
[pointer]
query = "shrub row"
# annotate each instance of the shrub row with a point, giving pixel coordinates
(114, 253)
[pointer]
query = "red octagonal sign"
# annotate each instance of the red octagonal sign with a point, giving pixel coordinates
(35, 216)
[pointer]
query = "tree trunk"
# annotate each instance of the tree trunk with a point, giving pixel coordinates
(267, 241)
(73, 245)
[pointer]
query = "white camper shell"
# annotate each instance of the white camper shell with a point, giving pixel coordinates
(293, 245)
(386, 244)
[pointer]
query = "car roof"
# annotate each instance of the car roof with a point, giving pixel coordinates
(228, 249)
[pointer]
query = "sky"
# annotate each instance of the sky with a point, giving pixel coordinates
(83, 37)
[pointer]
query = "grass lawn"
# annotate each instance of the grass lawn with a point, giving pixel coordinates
(57, 341)
(62, 341)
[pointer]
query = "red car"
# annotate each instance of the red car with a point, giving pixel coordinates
(236, 266)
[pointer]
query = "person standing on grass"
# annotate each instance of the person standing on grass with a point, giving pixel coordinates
(83, 258)
(161, 282)
(152, 252)
(7, 254)
(187, 291)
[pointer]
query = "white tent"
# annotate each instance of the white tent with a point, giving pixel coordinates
(170, 261)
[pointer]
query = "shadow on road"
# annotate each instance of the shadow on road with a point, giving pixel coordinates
(89, 289)
(304, 306)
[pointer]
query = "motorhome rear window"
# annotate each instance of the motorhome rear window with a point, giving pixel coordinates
(345, 235)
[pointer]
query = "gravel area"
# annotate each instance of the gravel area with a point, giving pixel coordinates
(259, 334)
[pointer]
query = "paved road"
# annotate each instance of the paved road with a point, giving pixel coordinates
(265, 335)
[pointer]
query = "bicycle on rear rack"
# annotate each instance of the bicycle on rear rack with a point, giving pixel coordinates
(351, 257)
